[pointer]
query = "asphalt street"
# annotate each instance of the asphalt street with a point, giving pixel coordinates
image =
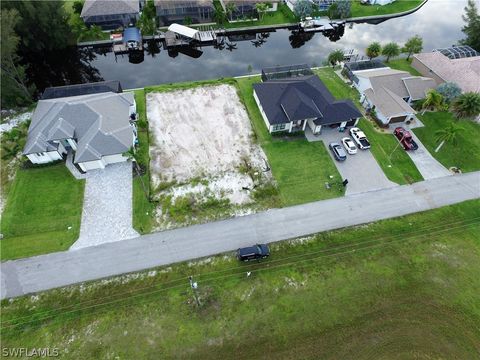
(24, 276)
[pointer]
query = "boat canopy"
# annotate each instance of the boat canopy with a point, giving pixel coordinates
(184, 31)
(132, 34)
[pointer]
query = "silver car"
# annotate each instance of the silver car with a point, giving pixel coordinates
(338, 151)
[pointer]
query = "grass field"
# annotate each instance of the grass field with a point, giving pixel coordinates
(397, 289)
(395, 163)
(404, 65)
(299, 167)
(465, 154)
(395, 7)
(42, 204)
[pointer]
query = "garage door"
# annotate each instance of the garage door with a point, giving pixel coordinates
(396, 119)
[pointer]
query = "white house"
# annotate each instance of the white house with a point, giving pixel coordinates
(96, 128)
(390, 92)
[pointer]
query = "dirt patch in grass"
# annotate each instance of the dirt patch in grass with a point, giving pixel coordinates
(202, 149)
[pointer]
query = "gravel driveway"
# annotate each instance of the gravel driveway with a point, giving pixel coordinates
(362, 170)
(107, 206)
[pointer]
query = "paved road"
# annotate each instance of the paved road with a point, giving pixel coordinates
(59, 269)
(428, 166)
(361, 169)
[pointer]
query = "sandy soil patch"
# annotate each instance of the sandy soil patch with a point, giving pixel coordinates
(203, 133)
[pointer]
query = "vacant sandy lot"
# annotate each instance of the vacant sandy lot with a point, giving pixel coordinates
(202, 133)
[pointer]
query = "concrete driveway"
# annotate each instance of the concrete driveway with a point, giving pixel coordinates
(428, 166)
(362, 170)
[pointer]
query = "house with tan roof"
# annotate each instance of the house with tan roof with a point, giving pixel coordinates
(391, 92)
(464, 71)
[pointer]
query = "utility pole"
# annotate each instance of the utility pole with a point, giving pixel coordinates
(396, 147)
(194, 287)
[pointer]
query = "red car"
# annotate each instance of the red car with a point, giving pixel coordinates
(405, 138)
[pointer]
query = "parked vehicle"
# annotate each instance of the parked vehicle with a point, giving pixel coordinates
(349, 145)
(360, 138)
(405, 138)
(259, 251)
(338, 151)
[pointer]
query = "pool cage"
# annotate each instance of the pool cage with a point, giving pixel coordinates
(285, 72)
(458, 52)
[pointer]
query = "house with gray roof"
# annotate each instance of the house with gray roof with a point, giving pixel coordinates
(391, 92)
(96, 128)
(290, 104)
(110, 14)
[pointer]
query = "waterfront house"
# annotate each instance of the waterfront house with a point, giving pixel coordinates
(460, 64)
(246, 8)
(110, 14)
(184, 11)
(94, 129)
(289, 104)
(391, 92)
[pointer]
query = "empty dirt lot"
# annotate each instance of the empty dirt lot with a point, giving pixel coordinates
(202, 133)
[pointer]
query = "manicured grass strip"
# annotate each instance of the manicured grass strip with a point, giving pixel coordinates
(397, 6)
(392, 158)
(464, 154)
(245, 87)
(404, 65)
(301, 170)
(417, 296)
(188, 85)
(337, 87)
(142, 208)
(42, 204)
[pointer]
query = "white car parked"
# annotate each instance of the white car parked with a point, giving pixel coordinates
(349, 145)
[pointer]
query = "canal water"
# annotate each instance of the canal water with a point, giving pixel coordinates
(439, 23)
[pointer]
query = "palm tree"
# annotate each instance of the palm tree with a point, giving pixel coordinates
(261, 9)
(448, 134)
(335, 57)
(391, 50)
(374, 50)
(219, 15)
(230, 9)
(433, 101)
(467, 105)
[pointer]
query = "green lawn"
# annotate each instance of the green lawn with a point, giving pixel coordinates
(394, 161)
(405, 288)
(282, 16)
(465, 154)
(142, 207)
(301, 170)
(397, 6)
(299, 167)
(42, 203)
(404, 65)
(392, 158)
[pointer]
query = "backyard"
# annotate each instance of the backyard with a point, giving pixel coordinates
(358, 9)
(42, 213)
(404, 65)
(400, 288)
(464, 153)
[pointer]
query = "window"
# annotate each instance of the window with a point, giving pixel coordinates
(40, 154)
(278, 127)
